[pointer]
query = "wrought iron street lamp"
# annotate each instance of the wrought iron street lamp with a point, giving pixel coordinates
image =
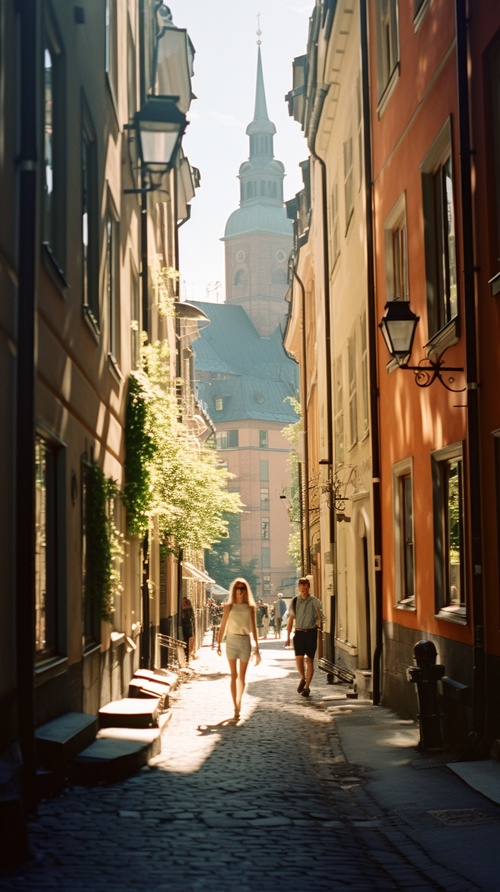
(159, 128)
(398, 328)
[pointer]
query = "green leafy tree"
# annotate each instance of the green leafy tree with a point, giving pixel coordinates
(104, 543)
(224, 564)
(177, 479)
(139, 451)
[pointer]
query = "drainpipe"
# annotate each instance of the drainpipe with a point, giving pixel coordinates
(25, 422)
(304, 477)
(372, 352)
(145, 649)
(473, 444)
(328, 355)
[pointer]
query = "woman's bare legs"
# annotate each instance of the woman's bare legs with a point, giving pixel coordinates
(238, 675)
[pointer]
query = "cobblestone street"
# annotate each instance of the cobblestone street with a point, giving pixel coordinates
(267, 803)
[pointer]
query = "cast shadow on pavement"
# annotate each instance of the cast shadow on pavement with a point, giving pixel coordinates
(224, 725)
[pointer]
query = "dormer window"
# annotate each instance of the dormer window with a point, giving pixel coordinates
(219, 403)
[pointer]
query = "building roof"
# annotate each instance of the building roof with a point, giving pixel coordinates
(258, 218)
(253, 375)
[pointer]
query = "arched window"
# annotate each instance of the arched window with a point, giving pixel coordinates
(240, 277)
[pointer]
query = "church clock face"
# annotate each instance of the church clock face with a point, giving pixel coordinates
(240, 256)
(280, 256)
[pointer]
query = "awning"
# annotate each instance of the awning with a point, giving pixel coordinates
(189, 571)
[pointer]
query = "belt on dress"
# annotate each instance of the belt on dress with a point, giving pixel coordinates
(306, 630)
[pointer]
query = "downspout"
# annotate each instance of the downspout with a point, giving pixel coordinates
(178, 384)
(145, 655)
(474, 455)
(303, 482)
(25, 502)
(323, 92)
(372, 352)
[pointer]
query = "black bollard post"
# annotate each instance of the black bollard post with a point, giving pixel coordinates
(425, 676)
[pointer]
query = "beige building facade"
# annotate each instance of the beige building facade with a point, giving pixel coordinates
(329, 335)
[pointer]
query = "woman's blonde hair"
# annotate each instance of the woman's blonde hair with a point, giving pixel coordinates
(249, 598)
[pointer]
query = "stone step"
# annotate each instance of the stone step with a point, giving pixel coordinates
(159, 676)
(116, 753)
(143, 687)
(58, 741)
(131, 712)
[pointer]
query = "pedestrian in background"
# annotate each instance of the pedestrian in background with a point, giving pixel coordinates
(265, 621)
(260, 615)
(279, 612)
(187, 622)
(238, 624)
(307, 612)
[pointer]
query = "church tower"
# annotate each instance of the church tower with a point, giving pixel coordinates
(258, 235)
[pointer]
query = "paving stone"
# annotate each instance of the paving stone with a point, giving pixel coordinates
(269, 803)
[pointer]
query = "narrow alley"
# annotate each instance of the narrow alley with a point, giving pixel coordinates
(272, 802)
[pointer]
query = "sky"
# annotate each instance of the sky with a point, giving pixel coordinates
(224, 35)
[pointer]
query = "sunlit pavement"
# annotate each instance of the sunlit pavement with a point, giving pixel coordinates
(270, 802)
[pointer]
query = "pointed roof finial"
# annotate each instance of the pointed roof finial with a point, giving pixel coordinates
(259, 32)
(261, 122)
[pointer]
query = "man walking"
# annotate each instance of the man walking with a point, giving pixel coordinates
(279, 608)
(307, 612)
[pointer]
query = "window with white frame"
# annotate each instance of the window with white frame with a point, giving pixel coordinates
(264, 498)
(265, 555)
(439, 229)
(404, 546)
(359, 107)
(348, 182)
(492, 124)
(334, 217)
(496, 449)
(420, 7)
(264, 470)
(90, 220)
(365, 408)
(135, 315)
(396, 252)
(263, 439)
(226, 439)
(48, 524)
(111, 46)
(449, 556)
(112, 283)
(387, 42)
(353, 390)
(339, 411)
(54, 187)
(264, 528)
(131, 72)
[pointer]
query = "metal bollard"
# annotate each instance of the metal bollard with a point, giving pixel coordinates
(425, 676)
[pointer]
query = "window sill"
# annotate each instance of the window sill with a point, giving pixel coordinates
(388, 91)
(52, 267)
(444, 338)
(494, 284)
(90, 650)
(117, 639)
(114, 368)
(408, 605)
(417, 21)
(453, 614)
(49, 669)
(92, 322)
